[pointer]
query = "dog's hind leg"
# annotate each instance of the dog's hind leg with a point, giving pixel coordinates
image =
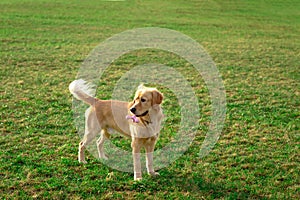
(104, 136)
(92, 128)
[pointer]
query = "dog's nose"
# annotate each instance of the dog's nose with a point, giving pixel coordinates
(133, 110)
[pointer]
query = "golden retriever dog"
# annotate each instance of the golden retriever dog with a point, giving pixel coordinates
(140, 120)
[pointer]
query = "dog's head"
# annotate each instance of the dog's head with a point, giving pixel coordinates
(145, 98)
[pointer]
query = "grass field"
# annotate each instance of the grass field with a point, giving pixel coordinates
(256, 47)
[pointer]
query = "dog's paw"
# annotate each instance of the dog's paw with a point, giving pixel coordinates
(138, 179)
(82, 161)
(137, 176)
(153, 173)
(104, 157)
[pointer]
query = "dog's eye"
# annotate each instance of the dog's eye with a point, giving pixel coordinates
(143, 100)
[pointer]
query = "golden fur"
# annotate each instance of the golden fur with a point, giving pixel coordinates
(105, 114)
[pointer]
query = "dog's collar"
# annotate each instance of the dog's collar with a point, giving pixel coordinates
(143, 114)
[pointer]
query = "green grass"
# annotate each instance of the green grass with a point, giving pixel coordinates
(255, 46)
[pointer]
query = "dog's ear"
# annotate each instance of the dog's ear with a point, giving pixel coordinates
(141, 86)
(157, 97)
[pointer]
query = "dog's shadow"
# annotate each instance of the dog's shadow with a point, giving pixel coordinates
(195, 184)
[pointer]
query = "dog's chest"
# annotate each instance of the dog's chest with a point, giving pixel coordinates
(145, 131)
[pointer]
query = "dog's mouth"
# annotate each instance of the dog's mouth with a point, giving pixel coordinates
(135, 117)
(143, 114)
(133, 111)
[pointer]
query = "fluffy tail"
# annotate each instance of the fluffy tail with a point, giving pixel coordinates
(82, 90)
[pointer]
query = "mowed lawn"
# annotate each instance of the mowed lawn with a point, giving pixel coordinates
(256, 47)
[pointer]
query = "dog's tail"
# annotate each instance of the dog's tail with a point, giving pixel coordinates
(82, 90)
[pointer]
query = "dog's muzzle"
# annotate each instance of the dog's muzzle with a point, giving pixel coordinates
(133, 110)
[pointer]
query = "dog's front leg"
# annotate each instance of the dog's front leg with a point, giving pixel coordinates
(149, 163)
(136, 154)
(149, 156)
